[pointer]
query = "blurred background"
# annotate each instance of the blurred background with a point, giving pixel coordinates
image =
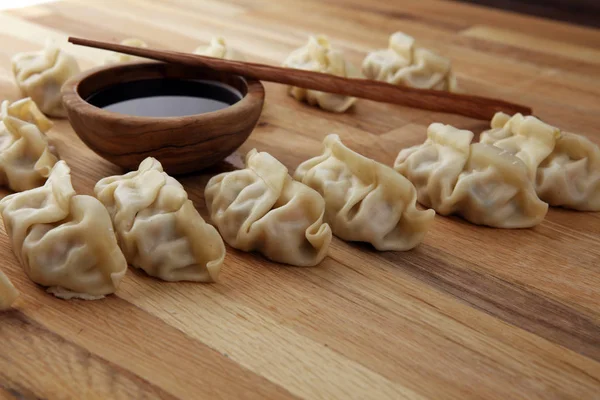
(581, 12)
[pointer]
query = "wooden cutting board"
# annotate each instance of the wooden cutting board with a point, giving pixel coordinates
(472, 312)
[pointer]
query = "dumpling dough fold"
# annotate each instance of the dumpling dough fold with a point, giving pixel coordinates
(484, 184)
(8, 293)
(41, 74)
(564, 166)
(404, 63)
(64, 241)
(319, 56)
(117, 58)
(219, 48)
(26, 157)
(158, 227)
(261, 208)
(364, 200)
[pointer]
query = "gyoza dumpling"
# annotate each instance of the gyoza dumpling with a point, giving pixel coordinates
(319, 56)
(26, 110)
(564, 166)
(26, 157)
(570, 175)
(482, 183)
(218, 48)
(261, 208)
(8, 293)
(528, 138)
(116, 58)
(403, 63)
(64, 241)
(41, 74)
(364, 200)
(158, 228)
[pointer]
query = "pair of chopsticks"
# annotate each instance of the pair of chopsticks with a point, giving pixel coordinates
(434, 100)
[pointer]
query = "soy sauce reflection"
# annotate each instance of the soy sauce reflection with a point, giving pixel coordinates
(165, 97)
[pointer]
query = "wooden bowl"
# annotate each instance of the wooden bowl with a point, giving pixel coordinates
(181, 144)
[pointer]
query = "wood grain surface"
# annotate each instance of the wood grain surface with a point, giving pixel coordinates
(473, 312)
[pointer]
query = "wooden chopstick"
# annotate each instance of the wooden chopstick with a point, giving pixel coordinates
(433, 100)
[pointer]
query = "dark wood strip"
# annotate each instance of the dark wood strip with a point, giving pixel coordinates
(37, 363)
(13, 394)
(508, 301)
(582, 12)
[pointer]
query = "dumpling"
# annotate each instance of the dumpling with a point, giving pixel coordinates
(26, 157)
(319, 56)
(364, 200)
(41, 75)
(564, 166)
(116, 58)
(404, 63)
(64, 241)
(570, 175)
(219, 48)
(261, 208)
(482, 183)
(528, 138)
(26, 110)
(157, 226)
(8, 293)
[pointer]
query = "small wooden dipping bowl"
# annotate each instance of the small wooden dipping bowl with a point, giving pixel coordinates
(182, 144)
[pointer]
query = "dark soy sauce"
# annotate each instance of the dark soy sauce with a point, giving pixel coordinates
(165, 97)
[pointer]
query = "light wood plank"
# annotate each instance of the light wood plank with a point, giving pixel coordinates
(131, 343)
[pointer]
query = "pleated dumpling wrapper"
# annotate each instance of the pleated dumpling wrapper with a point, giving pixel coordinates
(564, 166)
(261, 208)
(365, 201)
(41, 74)
(158, 227)
(482, 183)
(8, 293)
(117, 58)
(404, 63)
(319, 56)
(219, 48)
(26, 157)
(64, 241)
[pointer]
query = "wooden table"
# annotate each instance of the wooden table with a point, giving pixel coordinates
(471, 313)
